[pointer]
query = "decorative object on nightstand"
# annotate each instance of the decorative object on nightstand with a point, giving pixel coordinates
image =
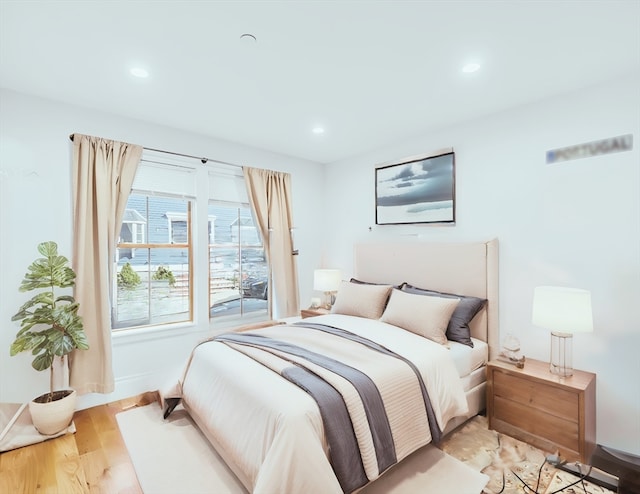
(327, 281)
(565, 311)
(553, 413)
(510, 352)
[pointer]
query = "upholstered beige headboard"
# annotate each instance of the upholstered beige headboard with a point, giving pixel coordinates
(462, 268)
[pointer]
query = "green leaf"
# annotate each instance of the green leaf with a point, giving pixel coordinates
(62, 345)
(39, 343)
(43, 298)
(20, 345)
(48, 249)
(43, 361)
(79, 339)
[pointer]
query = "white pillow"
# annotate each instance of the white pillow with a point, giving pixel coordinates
(425, 316)
(355, 299)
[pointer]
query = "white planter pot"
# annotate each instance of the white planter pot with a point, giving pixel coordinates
(55, 416)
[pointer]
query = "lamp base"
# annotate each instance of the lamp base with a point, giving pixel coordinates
(561, 362)
(329, 300)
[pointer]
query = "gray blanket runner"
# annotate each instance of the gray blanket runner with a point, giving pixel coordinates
(343, 446)
(436, 433)
(344, 451)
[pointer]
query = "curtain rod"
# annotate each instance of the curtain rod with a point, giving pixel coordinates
(203, 160)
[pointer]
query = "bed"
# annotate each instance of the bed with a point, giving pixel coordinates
(273, 401)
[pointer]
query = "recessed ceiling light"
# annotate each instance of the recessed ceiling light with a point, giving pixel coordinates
(470, 67)
(248, 37)
(318, 130)
(139, 72)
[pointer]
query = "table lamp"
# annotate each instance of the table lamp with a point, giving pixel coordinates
(564, 311)
(327, 281)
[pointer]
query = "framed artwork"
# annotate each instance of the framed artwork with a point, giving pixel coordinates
(420, 189)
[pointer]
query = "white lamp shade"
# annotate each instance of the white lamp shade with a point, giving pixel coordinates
(562, 309)
(327, 280)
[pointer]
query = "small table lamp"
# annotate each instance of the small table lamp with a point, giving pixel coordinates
(327, 281)
(565, 311)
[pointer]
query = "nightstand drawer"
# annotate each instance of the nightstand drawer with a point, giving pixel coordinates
(551, 400)
(564, 432)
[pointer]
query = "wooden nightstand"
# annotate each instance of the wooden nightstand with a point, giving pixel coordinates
(552, 413)
(313, 312)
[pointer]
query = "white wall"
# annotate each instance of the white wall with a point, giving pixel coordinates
(35, 205)
(575, 223)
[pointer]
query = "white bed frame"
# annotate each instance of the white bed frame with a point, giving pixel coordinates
(461, 268)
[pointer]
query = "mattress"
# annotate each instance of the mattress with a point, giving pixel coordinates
(470, 362)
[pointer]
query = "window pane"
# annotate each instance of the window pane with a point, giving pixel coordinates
(238, 272)
(153, 292)
(152, 283)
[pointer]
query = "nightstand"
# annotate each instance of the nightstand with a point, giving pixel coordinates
(313, 312)
(552, 413)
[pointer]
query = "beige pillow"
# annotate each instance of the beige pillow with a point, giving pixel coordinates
(355, 299)
(426, 316)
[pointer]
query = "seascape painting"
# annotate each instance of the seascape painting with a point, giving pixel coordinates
(417, 190)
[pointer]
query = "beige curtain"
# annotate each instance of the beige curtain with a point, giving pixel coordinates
(270, 197)
(103, 173)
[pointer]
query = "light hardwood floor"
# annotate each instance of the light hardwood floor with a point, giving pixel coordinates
(93, 460)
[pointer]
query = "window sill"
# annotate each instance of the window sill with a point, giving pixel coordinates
(127, 336)
(150, 333)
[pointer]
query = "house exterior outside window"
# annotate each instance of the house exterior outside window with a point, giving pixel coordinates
(178, 227)
(134, 227)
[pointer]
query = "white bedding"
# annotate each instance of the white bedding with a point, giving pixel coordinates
(271, 431)
(467, 359)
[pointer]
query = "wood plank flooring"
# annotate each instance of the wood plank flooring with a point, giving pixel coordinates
(93, 460)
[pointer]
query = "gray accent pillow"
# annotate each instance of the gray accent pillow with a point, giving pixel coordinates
(458, 328)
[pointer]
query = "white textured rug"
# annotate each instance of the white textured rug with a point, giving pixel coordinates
(17, 430)
(173, 456)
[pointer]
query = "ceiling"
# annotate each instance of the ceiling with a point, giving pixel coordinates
(370, 73)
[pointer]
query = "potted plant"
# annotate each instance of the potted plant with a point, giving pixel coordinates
(50, 328)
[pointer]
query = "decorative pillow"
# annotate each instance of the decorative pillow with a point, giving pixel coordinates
(426, 316)
(362, 300)
(354, 280)
(458, 328)
(360, 282)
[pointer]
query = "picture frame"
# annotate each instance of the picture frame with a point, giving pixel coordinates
(418, 189)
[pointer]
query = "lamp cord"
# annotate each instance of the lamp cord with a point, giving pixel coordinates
(535, 491)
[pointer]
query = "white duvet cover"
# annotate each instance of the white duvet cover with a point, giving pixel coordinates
(272, 431)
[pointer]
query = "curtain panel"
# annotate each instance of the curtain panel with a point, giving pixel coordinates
(270, 197)
(103, 173)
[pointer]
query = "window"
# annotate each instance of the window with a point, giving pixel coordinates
(157, 278)
(153, 287)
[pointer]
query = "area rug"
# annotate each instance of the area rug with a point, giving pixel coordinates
(17, 430)
(513, 467)
(174, 456)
